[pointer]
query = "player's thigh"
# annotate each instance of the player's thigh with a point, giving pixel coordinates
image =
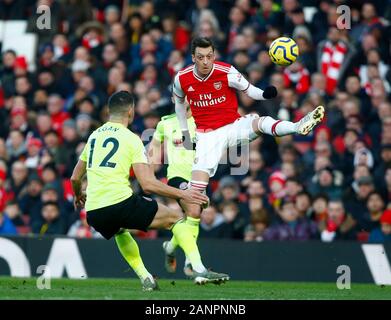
(242, 130)
(210, 148)
(165, 217)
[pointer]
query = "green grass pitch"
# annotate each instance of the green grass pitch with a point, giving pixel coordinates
(119, 289)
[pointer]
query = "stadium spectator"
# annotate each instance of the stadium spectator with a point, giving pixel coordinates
(375, 206)
(290, 226)
(256, 171)
(6, 225)
(18, 179)
(228, 190)
(334, 57)
(213, 224)
(297, 77)
(136, 27)
(16, 148)
(327, 181)
(319, 208)
(382, 234)
(13, 212)
(319, 23)
(260, 220)
(339, 224)
(81, 229)
(235, 219)
(277, 189)
(303, 204)
(52, 223)
(30, 203)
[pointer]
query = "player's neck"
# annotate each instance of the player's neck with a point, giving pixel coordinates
(198, 74)
(122, 121)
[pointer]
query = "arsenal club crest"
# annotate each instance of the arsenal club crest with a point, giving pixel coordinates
(217, 85)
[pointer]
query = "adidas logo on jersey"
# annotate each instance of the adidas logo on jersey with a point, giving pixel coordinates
(191, 89)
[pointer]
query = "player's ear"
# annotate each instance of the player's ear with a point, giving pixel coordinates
(193, 58)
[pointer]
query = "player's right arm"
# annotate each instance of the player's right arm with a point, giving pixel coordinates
(77, 175)
(150, 184)
(181, 113)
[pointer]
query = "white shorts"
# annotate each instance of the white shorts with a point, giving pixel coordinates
(212, 144)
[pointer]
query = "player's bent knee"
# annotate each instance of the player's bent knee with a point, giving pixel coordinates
(173, 218)
(194, 211)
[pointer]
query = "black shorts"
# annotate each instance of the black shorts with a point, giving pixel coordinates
(133, 213)
(178, 182)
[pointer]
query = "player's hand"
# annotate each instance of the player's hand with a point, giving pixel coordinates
(188, 144)
(270, 92)
(194, 197)
(80, 201)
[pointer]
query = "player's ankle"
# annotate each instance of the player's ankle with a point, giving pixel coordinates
(198, 268)
(169, 247)
(149, 276)
(296, 126)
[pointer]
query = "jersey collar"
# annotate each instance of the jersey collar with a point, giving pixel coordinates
(205, 78)
(117, 124)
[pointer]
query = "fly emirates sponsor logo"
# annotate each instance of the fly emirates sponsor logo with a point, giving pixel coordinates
(206, 100)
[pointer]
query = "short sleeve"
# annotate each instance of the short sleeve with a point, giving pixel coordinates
(177, 88)
(236, 80)
(159, 132)
(83, 155)
(138, 151)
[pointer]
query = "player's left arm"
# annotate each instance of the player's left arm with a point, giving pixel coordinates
(76, 179)
(238, 81)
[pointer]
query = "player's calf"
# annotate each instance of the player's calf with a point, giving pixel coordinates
(274, 127)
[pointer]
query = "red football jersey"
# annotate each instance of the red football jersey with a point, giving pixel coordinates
(212, 99)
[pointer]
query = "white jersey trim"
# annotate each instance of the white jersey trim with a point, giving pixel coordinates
(236, 80)
(177, 88)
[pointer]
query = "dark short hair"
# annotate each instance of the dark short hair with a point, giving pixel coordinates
(13, 52)
(304, 193)
(50, 132)
(51, 203)
(120, 102)
(285, 201)
(202, 42)
(377, 193)
(323, 196)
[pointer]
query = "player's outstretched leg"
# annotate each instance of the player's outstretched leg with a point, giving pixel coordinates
(274, 127)
(131, 253)
(169, 247)
(187, 242)
(193, 220)
(168, 218)
(308, 122)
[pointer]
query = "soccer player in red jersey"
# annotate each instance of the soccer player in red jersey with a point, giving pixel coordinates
(210, 88)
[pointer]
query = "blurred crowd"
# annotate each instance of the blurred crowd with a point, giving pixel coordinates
(334, 184)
